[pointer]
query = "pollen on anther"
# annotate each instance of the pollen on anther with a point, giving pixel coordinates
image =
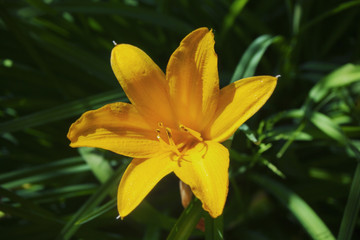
(191, 132)
(158, 134)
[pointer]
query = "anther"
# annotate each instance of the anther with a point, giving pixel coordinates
(158, 134)
(193, 133)
(172, 144)
(171, 141)
(169, 135)
(159, 137)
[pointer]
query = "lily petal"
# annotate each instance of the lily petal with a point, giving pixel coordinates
(237, 103)
(139, 178)
(205, 169)
(193, 78)
(143, 82)
(117, 127)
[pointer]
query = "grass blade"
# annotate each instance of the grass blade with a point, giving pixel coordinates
(97, 163)
(24, 208)
(252, 56)
(341, 7)
(97, 212)
(214, 228)
(325, 124)
(50, 167)
(136, 13)
(235, 9)
(351, 209)
(345, 75)
(62, 112)
(71, 227)
(186, 222)
(311, 222)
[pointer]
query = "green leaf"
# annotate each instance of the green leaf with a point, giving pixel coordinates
(272, 167)
(338, 9)
(97, 163)
(16, 205)
(306, 216)
(249, 133)
(341, 77)
(64, 111)
(252, 56)
(45, 168)
(71, 227)
(148, 215)
(351, 209)
(214, 227)
(326, 125)
(186, 223)
(42, 173)
(235, 9)
(97, 212)
(135, 13)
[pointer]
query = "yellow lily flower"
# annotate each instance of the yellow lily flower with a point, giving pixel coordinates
(175, 122)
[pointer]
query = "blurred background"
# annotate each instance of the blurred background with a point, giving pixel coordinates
(293, 167)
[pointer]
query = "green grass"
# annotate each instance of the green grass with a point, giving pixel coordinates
(294, 170)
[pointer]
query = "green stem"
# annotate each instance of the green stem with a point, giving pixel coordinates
(351, 208)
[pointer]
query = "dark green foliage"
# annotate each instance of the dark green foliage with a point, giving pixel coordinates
(294, 170)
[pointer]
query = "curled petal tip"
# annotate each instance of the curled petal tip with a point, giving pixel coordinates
(278, 76)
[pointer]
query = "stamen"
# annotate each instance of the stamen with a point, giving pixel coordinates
(171, 141)
(169, 135)
(172, 144)
(193, 133)
(159, 137)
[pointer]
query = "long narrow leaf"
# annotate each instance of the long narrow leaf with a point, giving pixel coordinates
(119, 9)
(343, 76)
(252, 56)
(186, 222)
(352, 208)
(97, 163)
(71, 227)
(234, 10)
(306, 216)
(214, 228)
(62, 112)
